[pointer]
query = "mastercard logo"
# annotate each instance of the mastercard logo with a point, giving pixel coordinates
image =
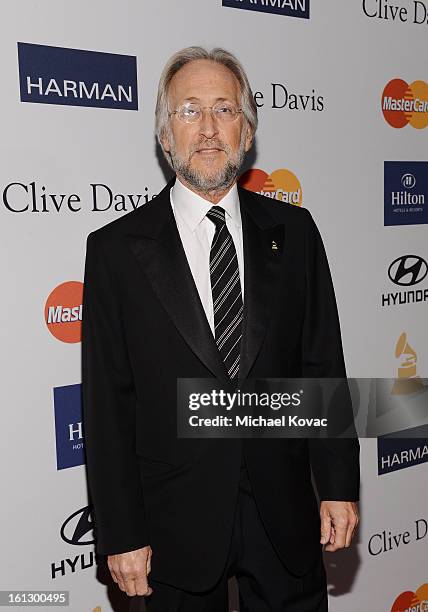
(281, 185)
(63, 312)
(412, 602)
(404, 104)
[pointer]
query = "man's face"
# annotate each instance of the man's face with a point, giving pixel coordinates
(209, 153)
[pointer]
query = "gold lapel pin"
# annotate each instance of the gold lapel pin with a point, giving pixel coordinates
(274, 246)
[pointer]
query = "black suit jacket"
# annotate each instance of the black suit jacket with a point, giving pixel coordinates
(143, 327)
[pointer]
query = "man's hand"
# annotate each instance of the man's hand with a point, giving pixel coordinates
(339, 519)
(130, 570)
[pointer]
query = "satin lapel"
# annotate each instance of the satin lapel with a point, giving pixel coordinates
(160, 253)
(263, 244)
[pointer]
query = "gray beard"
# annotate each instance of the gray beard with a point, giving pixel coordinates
(219, 181)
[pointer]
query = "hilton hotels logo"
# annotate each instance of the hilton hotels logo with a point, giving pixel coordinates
(73, 77)
(69, 426)
(289, 8)
(405, 193)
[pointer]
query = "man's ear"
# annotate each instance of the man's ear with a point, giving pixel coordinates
(248, 138)
(164, 140)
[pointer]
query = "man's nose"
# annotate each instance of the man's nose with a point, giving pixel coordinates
(208, 124)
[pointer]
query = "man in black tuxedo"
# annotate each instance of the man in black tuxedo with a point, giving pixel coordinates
(209, 280)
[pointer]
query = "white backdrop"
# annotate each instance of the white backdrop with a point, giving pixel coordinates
(340, 55)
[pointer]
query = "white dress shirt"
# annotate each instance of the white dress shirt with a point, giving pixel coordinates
(197, 232)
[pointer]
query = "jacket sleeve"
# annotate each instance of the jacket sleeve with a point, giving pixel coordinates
(109, 404)
(334, 461)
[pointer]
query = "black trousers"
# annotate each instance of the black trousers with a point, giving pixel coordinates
(265, 584)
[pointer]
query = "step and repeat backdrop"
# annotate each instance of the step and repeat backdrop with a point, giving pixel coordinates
(342, 95)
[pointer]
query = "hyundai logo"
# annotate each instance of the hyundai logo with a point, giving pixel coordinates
(408, 270)
(77, 529)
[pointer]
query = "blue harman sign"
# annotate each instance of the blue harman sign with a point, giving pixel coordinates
(289, 8)
(55, 75)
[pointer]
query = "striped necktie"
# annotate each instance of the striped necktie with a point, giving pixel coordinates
(226, 292)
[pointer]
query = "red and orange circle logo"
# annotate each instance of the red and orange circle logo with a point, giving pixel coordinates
(409, 601)
(404, 104)
(281, 185)
(63, 312)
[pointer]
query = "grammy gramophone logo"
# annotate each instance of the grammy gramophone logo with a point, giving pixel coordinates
(408, 380)
(398, 415)
(399, 405)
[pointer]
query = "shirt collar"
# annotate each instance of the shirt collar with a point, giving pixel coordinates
(193, 208)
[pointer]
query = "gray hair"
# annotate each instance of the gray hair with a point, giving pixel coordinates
(191, 54)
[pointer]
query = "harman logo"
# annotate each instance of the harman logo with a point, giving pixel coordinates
(69, 426)
(405, 193)
(399, 453)
(282, 185)
(290, 8)
(78, 528)
(74, 77)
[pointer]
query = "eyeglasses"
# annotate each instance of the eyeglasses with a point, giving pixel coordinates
(190, 112)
